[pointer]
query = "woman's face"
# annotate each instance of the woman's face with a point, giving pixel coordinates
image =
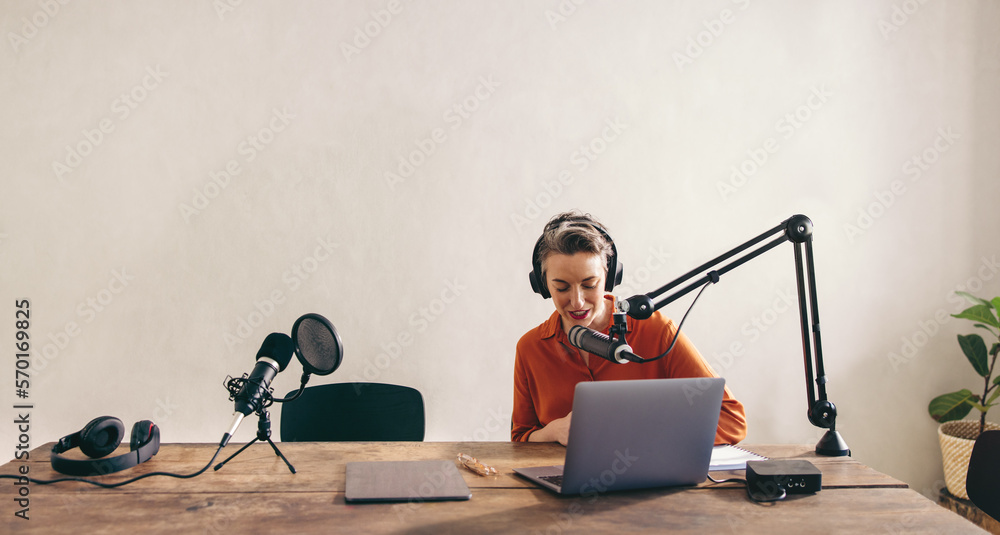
(576, 283)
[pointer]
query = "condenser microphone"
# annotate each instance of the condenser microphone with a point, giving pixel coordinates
(274, 355)
(601, 345)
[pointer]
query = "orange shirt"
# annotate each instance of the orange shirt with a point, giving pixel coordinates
(547, 369)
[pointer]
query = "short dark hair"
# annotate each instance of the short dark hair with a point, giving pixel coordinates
(573, 232)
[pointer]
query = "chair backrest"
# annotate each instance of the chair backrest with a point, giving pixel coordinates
(354, 412)
(983, 480)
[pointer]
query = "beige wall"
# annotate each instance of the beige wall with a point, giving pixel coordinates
(172, 170)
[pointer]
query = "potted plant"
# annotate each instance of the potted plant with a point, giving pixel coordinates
(957, 436)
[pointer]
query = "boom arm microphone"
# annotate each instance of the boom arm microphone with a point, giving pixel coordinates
(252, 393)
(601, 345)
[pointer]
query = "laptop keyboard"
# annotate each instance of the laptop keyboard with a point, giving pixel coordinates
(555, 480)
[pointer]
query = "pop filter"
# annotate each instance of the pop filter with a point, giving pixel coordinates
(317, 344)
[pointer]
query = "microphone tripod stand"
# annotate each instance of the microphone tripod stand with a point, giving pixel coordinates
(263, 434)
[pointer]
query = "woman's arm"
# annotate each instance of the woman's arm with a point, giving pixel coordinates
(556, 431)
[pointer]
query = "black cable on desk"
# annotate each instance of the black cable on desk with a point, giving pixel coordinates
(120, 483)
(758, 498)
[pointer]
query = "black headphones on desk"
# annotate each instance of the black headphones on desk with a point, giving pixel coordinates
(100, 437)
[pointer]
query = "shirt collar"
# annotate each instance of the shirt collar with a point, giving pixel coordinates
(553, 326)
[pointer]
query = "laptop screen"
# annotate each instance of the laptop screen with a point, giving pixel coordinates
(641, 433)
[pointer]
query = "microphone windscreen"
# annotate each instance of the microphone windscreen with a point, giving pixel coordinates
(574, 333)
(317, 344)
(278, 347)
(578, 336)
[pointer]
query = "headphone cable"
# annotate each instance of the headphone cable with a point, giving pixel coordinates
(120, 483)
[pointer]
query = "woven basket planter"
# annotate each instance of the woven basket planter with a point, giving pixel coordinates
(957, 439)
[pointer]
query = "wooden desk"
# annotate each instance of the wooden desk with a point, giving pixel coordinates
(968, 510)
(256, 493)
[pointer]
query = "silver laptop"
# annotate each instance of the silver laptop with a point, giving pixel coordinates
(636, 434)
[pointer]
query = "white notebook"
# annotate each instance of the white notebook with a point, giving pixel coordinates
(729, 457)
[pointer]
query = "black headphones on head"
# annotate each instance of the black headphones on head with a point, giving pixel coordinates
(100, 437)
(615, 269)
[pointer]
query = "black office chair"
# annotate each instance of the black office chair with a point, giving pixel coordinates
(983, 480)
(354, 412)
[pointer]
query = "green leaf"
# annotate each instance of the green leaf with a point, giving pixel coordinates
(978, 407)
(980, 313)
(974, 299)
(991, 330)
(953, 406)
(995, 303)
(989, 403)
(996, 381)
(975, 350)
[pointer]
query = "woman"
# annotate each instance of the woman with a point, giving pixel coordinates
(575, 263)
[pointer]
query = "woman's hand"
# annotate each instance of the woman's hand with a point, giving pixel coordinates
(556, 431)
